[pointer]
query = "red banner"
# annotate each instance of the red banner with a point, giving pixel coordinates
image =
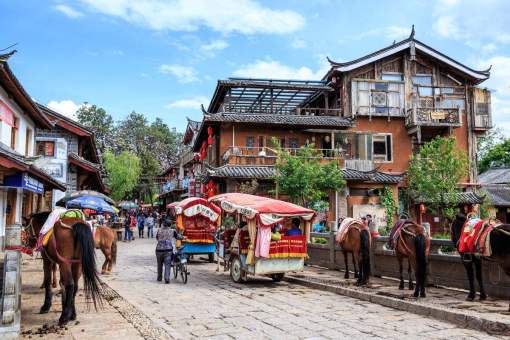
(288, 246)
(6, 114)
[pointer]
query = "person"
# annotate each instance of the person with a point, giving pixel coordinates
(128, 224)
(165, 247)
(294, 231)
(275, 233)
(149, 221)
(141, 224)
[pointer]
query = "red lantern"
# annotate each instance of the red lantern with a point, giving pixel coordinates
(210, 140)
(210, 131)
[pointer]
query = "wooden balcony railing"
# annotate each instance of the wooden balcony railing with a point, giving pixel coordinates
(418, 116)
(303, 111)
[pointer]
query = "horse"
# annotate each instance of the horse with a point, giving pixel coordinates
(499, 241)
(354, 237)
(71, 246)
(412, 242)
(106, 240)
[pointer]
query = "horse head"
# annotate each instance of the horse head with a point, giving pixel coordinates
(456, 227)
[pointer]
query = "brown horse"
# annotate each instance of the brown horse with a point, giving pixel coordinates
(354, 237)
(106, 240)
(412, 243)
(71, 246)
(499, 241)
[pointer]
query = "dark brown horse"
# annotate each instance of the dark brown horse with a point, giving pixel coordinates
(354, 237)
(71, 246)
(412, 243)
(499, 242)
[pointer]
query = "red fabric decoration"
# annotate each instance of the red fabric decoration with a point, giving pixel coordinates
(210, 131)
(210, 140)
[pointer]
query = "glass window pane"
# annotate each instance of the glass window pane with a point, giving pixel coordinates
(381, 86)
(425, 91)
(422, 80)
(391, 77)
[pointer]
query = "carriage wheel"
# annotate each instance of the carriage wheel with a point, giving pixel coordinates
(184, 273)
(236, 271)
(277, 277)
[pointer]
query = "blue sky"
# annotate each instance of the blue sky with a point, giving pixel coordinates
(163, 58)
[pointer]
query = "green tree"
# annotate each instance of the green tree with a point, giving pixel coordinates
(123, 173)
(101, 123)
(304, 177)
(434, 174)
(498, 155)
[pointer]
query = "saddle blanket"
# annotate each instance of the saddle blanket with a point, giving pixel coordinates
(395, 232)
(475, 237)
(47, 228)
(344, 227)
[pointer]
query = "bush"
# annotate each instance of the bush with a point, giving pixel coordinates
(319, 240)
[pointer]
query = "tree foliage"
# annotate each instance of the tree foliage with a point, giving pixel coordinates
(434, 174)
(498, 155)
(390, 206)
(123, 173)
(100, 123)
(304, 177)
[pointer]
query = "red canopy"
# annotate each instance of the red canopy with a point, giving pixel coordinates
(188, 202)
(195, 205)
(268, 210)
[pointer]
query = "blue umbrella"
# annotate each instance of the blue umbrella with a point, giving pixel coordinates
(90, 202)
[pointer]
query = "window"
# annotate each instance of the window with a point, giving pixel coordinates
(250, 142)
(382, 147)
(261, 141)
(28, 142)
(293, 143)
(46, 148)
(423, 85)
(14, 133)
(392, 76)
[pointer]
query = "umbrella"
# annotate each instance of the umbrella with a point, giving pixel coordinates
(89, 193)
(127, 205)
(90, 202)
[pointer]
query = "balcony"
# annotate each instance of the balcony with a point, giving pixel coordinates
(300, 111)
(174, 185)
(482, 122)
(431, 117)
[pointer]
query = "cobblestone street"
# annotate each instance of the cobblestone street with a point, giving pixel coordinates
(211, 305)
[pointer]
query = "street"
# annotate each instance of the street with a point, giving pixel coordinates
(211, 305)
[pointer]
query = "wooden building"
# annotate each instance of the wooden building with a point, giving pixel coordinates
(369, 115)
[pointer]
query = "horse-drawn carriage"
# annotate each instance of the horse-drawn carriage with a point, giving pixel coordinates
(197, 220)
(251, 249)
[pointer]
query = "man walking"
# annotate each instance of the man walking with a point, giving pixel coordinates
(164, 250)
(141, 224)
(149, 221)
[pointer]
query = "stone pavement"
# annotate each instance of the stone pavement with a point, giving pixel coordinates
(104, 324)
(441, 303)
(212, 306)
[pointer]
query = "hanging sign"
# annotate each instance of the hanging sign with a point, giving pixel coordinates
(438, 115)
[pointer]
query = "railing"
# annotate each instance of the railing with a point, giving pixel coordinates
(174, 184)
(482, 122)
(359, 164)
(418, 116)
(267, 156)
(303, 111)
(444, 269)
(187, 157)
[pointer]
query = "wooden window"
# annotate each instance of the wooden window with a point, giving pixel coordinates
(28, 142)
(250, 142)
(392, 76)
(363, 146)
(381, 146)
(46, 148)
(14, 133)
(423, 85)
(293, 143)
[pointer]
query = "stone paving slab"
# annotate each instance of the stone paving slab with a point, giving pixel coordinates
(491, 316)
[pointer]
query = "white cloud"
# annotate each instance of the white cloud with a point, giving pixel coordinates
(188, 103)
(66, 107)
(298, 43)
(226, 16)
(184, 74)
(274, 69)
(447, 27)
(215, 45)
(68, 11)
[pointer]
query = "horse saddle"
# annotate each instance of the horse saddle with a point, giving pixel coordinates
(346, 225)
(475, 237)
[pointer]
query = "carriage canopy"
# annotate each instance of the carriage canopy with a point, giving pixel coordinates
(193, 206)
(266, 210)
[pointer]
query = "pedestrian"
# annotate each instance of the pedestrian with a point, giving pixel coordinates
(141, 224)
(149, 221)
(128, 235)
(164, 250)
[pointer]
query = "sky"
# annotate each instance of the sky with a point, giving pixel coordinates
(163, 58)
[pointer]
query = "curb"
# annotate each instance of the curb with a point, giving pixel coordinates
(463, 320)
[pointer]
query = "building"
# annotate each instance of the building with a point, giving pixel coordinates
(67, 151)
(369, 115)
(495, 183)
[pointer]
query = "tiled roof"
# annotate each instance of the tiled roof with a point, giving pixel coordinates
(279, 119)
(499, 195)
(495, 176)
(460, 198)
(242, 171)
(82, 160)
(268, 172)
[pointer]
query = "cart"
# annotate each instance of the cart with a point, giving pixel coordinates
(245, 251)
(197, 219)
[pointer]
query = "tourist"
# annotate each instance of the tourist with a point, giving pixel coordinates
(149, 221)
(141, 224)
(294, 231)
(128, 234)
(166, 238)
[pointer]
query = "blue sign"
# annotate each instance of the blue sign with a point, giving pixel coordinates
(24, 181)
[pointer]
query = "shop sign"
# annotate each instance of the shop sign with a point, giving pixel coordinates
(438, 115)
(24, 181)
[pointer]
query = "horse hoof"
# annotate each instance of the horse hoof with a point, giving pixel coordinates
(401, 287)
(416, 294)
(44, 310)
(356, 275)
(483, 297)
(411, 287)
(346, 276)
(470, 298)
(423, 295)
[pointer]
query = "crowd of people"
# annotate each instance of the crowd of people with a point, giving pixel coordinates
(141, 220)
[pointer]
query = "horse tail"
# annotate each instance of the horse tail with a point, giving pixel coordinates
(91, 283)
(365, 252)
(421, 258)
(114, 250)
